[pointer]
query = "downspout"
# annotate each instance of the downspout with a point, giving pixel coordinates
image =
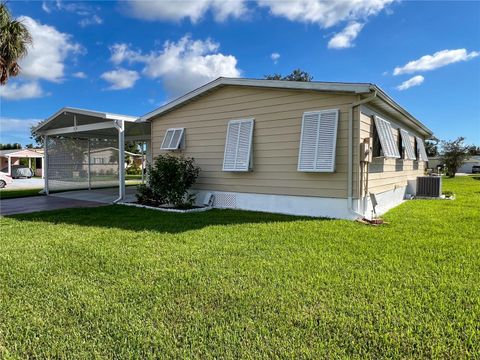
(350, 150)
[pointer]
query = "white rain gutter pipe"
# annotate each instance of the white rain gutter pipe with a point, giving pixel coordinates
(350, 150)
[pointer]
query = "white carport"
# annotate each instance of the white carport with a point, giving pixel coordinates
(71, 136)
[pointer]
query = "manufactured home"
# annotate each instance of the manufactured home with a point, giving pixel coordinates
(303, 148)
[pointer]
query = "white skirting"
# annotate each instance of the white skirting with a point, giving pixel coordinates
(386, 200)
(282, 204)
(303, 205)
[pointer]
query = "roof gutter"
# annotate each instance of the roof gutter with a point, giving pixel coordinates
(373, 92)
(386, 98)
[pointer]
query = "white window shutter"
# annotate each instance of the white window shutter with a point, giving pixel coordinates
(308, 142)
(407, 143)
(327, 141)
(238, 145)
(173, 139)
(167, 139)
(387, 141)
(318, 141)
(422, 153)
(244, 146)
(176, 138)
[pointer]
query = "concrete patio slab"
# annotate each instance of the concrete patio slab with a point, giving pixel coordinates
(104, 196)
(41, 203)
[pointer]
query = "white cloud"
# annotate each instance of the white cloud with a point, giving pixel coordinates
(16, 126)
(120, 78)
(194, 10)
(123, 53)
(46, 8)
(326, 13)
(275, 56)
(80, 75)
(94, 20)
(344, 39)
(17, 91)
(183, 65)
(414, 81)
(86, 12)
(435, 61)
(49, 51)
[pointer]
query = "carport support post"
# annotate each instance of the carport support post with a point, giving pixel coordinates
(9, 166)
(120, 125)
(45, 164)
(88, 165)
(143, 162)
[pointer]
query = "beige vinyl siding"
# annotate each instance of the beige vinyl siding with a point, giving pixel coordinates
(386, 174)
(276, 140)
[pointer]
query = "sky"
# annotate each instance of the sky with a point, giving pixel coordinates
(131, 57)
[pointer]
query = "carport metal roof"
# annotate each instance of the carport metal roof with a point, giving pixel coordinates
(81, 123)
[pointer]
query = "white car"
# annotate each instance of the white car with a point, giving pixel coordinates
(5, 180)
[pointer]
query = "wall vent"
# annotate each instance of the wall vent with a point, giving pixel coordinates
(225, 200)
(429, 186)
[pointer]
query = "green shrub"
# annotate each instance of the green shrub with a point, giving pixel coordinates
(134, 170)
(168, 182)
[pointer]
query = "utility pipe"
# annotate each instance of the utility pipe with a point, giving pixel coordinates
(350, 149)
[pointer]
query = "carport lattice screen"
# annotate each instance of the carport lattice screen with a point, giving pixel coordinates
(71, 160)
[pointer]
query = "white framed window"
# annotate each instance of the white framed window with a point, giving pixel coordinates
(387, 141)
(407, 145)
(173, 139)
(238, 145)
(422, 153)
(318, 141)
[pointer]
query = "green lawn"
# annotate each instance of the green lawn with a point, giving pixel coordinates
(121, 282)
(133, 177)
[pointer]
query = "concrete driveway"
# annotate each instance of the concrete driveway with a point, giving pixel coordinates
(41, 203)
(64, 200)
(33, 183)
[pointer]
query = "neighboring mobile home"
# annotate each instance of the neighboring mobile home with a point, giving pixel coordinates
(305, 148)
(9, 158)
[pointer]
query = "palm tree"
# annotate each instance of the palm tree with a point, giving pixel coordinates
(14, 40)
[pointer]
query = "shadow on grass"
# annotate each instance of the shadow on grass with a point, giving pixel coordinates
(137, 219)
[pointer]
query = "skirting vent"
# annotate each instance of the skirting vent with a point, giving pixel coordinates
(225, 200)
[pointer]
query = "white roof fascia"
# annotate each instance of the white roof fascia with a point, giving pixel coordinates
(384, 96)
(358, 88)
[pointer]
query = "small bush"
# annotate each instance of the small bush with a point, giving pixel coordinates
(168, 182)
(134, 170)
